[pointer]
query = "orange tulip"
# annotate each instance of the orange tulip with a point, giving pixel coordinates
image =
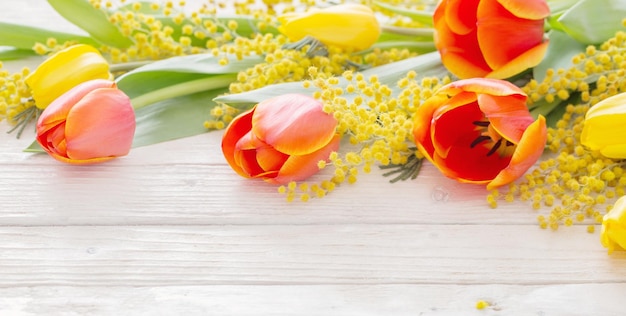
(281, 139)
(479, 131)
(490, 38)
(92, 122)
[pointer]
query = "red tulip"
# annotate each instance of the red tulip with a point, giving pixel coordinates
(480, 131)
(92, 122)
(490, 38)
(281, 139)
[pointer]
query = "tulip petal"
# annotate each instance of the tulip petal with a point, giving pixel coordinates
(350, 26)
(237, 128)
(499, 35)
(494, 87)
(455, 128)
(293, 124)
(64, 70)
(58, 110)
(101, 124)
(527, 9)
(246, 160)
(470, 165)
(459, 53)
(460, 15)
(270, 159)
(526, 60)
(509, 121)
(298, 168)
(527, 152)
(613, 234)
(605, 134)
(422, 125)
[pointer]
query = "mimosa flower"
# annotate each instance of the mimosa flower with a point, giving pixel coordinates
(349, 26)
(93, 122)
(281, 139)
(479, 131)
(613, 235)
(605, 126)
(64, 70)
(490, 38)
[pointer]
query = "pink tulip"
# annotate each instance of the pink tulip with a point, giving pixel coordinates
(281, 139)
(92, 122)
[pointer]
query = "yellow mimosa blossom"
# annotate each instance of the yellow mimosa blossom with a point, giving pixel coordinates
(604, 127)
(613, 235)
(349, 26)
(64, 70)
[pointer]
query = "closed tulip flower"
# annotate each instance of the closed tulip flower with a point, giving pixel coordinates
(349, 26)
(613, 234)
(281, 139)
(479, 131)
(92, 122)
(64, 70)
(605, 126)
(490, 38)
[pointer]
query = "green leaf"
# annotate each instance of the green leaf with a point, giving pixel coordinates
(178, 70)
(173, 97)
(424, 17)
(561, 49)
(82, 14)
(424, 65)
(174, 118)
(557, 7)
(10, 53)
(34, 147)
(593, 21)
(25, 37)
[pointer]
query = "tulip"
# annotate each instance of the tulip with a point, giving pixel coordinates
(93, 122)
(64, 70)
(281, 139)
(479, 131)
(613, 234)
(352, 27)
(604, 127)
(490, 38)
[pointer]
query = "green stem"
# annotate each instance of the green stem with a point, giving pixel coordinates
(418, 32)
(128, 66)
(181, 89)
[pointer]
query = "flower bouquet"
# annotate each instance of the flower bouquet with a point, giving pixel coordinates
(525, 98)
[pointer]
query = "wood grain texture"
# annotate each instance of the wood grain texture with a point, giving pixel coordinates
(171, 230)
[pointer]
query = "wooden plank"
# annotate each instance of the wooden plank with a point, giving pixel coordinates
(188, 181)
(303, 254)
(337, 300)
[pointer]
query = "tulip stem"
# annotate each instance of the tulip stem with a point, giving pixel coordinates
(124, 67)
(419, 32)
(182, 89)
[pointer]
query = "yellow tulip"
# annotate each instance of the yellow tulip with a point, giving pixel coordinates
(64, 70)
(605, 126)
(613, 235)
(349, 26)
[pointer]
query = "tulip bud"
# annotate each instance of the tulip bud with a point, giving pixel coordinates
(281, 139)
(604, 127)
(349, 26)
(64, 70)
(490, 38)
(613, 233)
(92, 122)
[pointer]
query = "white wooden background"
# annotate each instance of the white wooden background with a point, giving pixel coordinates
(171, 230)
